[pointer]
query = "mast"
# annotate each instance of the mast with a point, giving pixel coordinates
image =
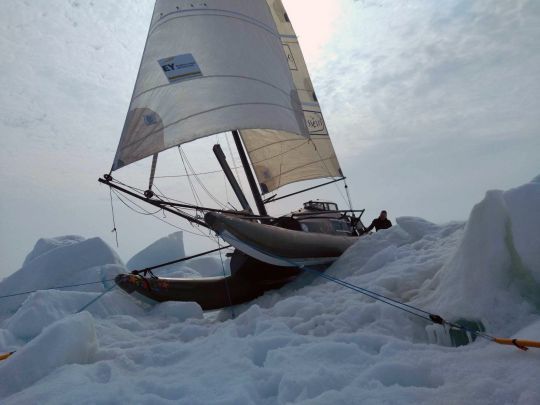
(249, 175)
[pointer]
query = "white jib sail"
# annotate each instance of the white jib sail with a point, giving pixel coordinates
(278, 157)
(215, 66)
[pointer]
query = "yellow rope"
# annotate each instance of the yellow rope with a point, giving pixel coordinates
(520, 343)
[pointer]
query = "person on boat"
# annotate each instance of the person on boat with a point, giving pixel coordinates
(382, 222)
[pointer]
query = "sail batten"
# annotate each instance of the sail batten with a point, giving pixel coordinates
(228, 65)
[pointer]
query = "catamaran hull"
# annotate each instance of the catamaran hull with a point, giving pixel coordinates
(266, 257)
(249, 280)
(279, 246)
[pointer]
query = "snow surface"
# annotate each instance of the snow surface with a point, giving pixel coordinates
(314, 342)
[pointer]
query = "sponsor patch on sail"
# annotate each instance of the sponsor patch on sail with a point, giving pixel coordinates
(315, 122)
(180, 67)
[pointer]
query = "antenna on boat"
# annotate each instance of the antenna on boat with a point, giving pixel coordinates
(249, 174)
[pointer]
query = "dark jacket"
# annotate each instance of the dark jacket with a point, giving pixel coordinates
(379, 223)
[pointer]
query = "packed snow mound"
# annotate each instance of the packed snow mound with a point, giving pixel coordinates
(65, 260)
(163, 250)
(43, 308)
(70, 340)
(206, 266)
(417, 228)
(45, 245)
(496, 268)
(523, 204)
(314, 341)
(170, 248)
(180, 311)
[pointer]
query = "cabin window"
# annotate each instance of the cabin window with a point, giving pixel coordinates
(317, 227)
(320, 206)
(340, 226)
(314, 205)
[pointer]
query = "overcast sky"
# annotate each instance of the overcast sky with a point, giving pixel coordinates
(429, 104)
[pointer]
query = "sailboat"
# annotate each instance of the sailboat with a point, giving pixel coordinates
(235, 66)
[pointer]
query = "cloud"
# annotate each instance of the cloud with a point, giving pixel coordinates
(429, 104)
(419, 71)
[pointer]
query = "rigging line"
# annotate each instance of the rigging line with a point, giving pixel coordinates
(234, 163)
(370, 293)
(226, 282)
(209, 236)
(113, 220)
(374, 296)
(226, 188)
(252, 163)
(280, 167)
(330, 174)
(164, 198)
(214, 198)
(194, 192)
(359, 289)
(140, 190)
(134, 210)
(200, 234)
(387, 300)
(195, 196)
(161, 196)
(182, 259)
(55, 288)
(198, 174)
(348, 194)
(96, 298)
(400, 305)
(200, 182)
(195, 214)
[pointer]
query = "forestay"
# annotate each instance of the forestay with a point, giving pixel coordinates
(215, 66)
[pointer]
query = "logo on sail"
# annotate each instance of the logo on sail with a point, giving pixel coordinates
(180, 67)
(315, 122)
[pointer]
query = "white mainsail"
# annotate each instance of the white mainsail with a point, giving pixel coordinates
(216, 66)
